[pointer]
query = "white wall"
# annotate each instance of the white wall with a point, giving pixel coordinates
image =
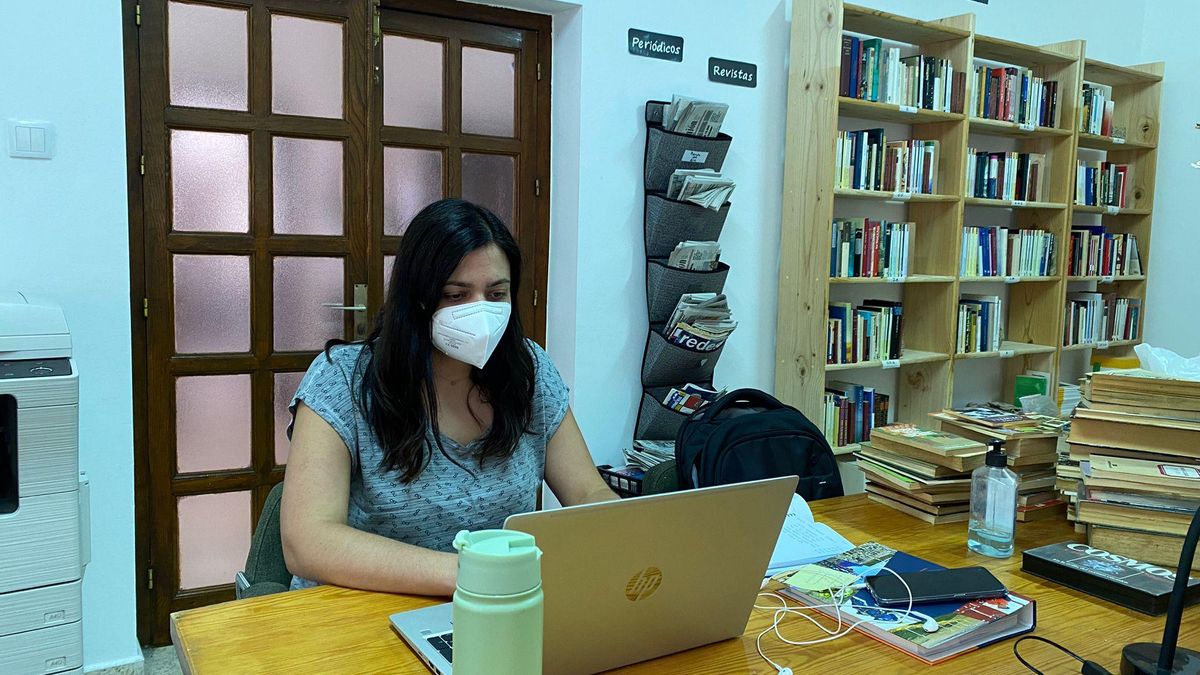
(64, 235)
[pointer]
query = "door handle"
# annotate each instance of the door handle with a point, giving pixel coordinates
(359, 308)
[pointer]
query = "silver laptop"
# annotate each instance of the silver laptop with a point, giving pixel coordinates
(635, 579)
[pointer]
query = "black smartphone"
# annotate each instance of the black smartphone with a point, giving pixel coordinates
(964, 583)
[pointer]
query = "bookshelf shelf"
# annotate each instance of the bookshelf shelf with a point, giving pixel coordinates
(1112, 344)
(1008, 204)
(1109, 279)
(1004, 280)
(910, 279)
(1107, 73)
(892, 196)
(1033, 307)
(1108, 143)
(984, 125)
(1008, 349)
(908, 357)
(890, 112)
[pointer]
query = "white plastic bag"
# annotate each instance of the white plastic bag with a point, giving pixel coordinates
(1166, 362)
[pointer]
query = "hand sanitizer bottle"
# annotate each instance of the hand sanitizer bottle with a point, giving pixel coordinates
(993, 506)
(497, 611)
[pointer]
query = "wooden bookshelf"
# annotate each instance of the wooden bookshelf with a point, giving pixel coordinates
(1034, 306)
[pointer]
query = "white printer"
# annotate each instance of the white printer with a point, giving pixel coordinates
(43, 497)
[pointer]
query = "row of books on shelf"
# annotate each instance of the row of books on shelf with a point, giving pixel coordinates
(872, 72)
(1014, 95)
(1097, 252)
(1002, 252)
(1096, 109)
(1006, 175)
(1100, 317)
(868, 332)
(861, 247)
(980, 323)
(1133, 467)
(1100, 183)
(701, 322)
(852, 411)
(866, 160)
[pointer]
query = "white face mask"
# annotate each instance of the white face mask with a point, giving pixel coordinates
(470, 332)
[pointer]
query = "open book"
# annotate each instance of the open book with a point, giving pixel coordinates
(803, 540)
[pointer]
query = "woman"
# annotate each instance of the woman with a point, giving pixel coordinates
(445, 418)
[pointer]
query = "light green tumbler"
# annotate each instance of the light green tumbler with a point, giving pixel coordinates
(497, 610)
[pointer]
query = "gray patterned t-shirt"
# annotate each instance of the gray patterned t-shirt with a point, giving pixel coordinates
(444, 498)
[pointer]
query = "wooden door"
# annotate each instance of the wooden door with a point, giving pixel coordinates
(279, 149)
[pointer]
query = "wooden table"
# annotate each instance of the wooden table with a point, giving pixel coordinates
(336, 630)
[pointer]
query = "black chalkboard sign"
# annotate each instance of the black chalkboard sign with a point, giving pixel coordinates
(655, 45)
(737, 73)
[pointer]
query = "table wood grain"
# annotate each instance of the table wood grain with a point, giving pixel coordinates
(337, 630)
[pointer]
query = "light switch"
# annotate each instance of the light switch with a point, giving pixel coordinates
(30, 139)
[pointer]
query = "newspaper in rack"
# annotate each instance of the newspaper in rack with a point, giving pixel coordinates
(690, 398)
(700, 256)
(649, 454)
(701, 322)
(690, 116)
(704, 187)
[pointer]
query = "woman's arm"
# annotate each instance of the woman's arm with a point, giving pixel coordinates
(317, 542)
(569, 468)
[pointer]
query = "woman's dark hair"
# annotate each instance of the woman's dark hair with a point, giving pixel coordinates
(398, 397)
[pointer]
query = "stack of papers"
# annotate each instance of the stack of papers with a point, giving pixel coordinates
(690, 116)
(701, 322)
(700, 186)
(649, 454)
(702, 256)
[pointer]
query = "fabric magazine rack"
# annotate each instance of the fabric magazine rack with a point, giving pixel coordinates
(667, 223)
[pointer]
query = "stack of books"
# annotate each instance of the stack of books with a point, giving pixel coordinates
(1030, 441)
(861, 247)
(1136, 437)
(921, 472)
(1096, 252)
(871, 72)
(1000, 252)
(1100, 183)
(1014, 95)
(1096, 109)
(852, 411)
(1017, 176)
(869, 332)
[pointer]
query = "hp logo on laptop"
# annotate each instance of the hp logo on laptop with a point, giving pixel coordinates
(643, 584)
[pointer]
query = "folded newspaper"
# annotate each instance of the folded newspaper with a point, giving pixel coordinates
(690, 398)
(691, 116)
(704, 187)
(698, 256)
(649, 454)
(701, 322)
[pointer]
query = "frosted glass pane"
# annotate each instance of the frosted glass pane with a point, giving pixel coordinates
(488, 91)
(490, 181)
(307, 186)
(286, 385)
(212, 303)
(389, 261)
(412, 180)
(306, 67)
(412, 82)
(206, 49)
(214, 538)
(301, 285)
(212, 422)
(210, 181)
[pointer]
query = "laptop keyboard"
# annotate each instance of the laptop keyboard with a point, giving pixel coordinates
(444, 643)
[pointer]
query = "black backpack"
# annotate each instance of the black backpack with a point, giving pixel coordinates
(748, 435)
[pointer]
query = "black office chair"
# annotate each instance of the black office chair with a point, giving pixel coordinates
(266, 572)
